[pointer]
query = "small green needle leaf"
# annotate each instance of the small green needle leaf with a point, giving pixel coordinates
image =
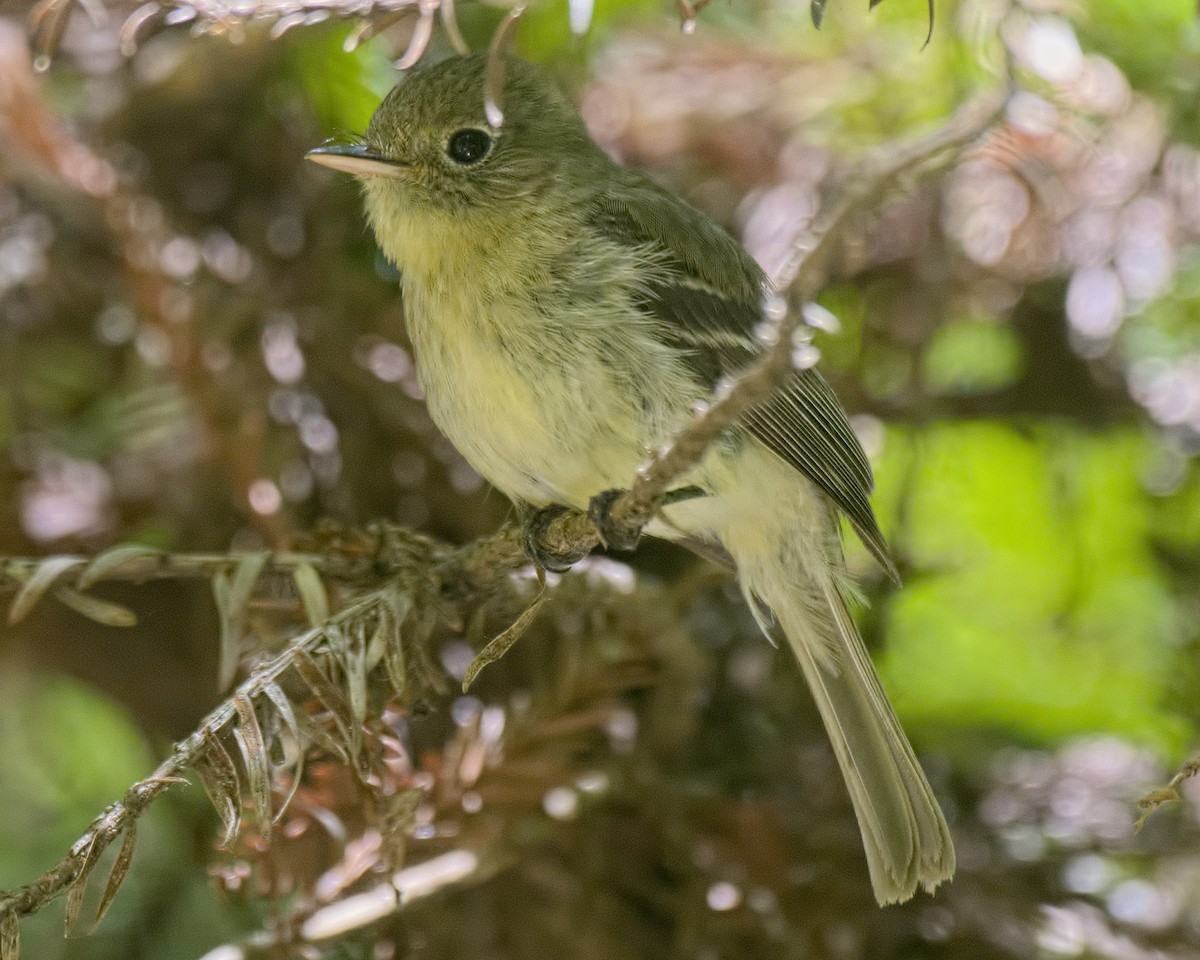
(312, 593)
(130, 555)
(101, 611)
(41, 580)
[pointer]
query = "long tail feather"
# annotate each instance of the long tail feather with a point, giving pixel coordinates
(904, 833)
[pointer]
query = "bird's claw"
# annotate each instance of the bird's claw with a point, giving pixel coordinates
(534, 541)
(614, 534)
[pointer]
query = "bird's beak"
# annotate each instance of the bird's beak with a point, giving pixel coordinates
(356, 158)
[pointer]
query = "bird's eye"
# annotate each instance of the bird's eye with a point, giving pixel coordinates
(469, 146)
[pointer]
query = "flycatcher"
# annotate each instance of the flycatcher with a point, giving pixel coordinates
(566, 315)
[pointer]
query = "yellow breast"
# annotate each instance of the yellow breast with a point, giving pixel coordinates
(535, 365)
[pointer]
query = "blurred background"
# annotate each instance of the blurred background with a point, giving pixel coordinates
(201, 349)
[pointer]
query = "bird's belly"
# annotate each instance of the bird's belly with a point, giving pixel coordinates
(539, 426)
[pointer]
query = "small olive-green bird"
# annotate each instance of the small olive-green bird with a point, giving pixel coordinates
(567, 315)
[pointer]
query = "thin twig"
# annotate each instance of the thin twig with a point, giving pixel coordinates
(14, 571)
(493, 74)
(112, 822)
(1168, 794)
(801, 279)
(48, 18)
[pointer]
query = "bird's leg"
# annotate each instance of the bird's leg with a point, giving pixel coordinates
(533, 538)
(616, 535)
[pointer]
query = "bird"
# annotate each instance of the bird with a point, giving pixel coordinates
(567, 315)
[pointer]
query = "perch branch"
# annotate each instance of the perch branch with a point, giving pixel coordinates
(121, 815)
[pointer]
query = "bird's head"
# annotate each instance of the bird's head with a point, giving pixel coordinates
(430, 145)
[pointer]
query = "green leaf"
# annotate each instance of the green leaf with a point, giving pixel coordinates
(229, 650)
(312, 593)
(35, 587)
(232, 598)
(127, 557)
(244, 579)
(354, 666)
(101, 611)
(1146, 40)
(1040, 606)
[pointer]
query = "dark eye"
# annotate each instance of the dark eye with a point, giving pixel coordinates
(468, 146)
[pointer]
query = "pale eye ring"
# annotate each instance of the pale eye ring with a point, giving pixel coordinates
(469, 145)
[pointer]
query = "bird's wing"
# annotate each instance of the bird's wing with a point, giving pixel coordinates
(708, 301)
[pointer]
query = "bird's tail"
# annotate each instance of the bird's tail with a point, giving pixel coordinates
(905, 835)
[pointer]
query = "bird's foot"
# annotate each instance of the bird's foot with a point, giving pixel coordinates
(614, 534)
(623, 535)
(534, 540)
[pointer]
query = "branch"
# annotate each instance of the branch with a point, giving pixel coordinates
(71, 872)
(139, 564)
(48, 20)
(357, 559)
(1168, 794)
(801, 279)
(334, 663)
